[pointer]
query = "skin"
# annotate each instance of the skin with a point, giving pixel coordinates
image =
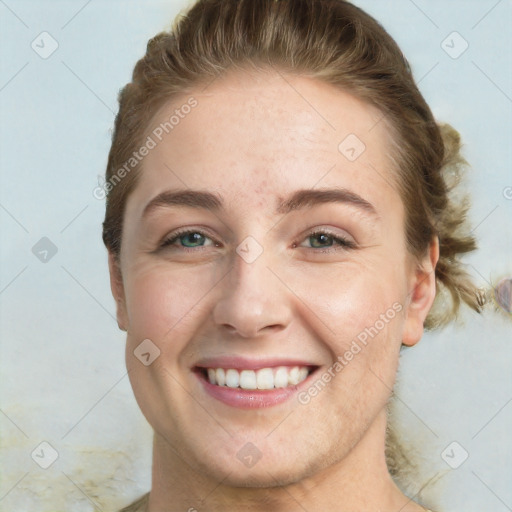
(253, 139)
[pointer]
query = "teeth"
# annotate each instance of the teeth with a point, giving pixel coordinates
(220, 376)
(281, 377)
(248, 379)
(265, 378)
(232, 378)
(293, 376)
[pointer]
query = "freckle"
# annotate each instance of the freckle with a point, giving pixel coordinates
(261, 188)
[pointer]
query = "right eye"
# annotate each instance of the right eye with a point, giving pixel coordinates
(188, 239)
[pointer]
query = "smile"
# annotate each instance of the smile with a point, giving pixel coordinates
(248, 384)
(264, 378)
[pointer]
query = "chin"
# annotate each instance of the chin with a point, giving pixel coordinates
(267, 472)
(264, 477)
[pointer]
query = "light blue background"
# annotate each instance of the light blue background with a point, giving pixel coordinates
(62, 356)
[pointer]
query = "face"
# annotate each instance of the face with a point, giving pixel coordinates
(263, 255)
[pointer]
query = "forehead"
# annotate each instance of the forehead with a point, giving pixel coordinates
(261, 134)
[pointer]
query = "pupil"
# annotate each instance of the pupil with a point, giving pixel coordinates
(192, 238)
(324, 239)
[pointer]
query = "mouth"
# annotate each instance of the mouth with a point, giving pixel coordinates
(239, 385)
(262, 379)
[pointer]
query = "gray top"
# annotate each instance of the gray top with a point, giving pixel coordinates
(141, 505)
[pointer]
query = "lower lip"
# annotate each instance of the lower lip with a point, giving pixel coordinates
(250, 398)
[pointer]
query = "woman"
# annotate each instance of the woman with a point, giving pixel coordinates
(278, 225)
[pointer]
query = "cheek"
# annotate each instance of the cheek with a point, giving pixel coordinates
(362, 313)
(355, 298)
(368, 334)
(162, 303)
(365, 322)
(165, 306)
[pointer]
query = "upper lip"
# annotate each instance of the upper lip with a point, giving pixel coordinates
(243, 363)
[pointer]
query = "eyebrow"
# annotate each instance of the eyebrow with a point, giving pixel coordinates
(191, 198)
(307, 198)
(300, 199)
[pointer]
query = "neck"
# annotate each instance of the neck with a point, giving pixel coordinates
(358, 483)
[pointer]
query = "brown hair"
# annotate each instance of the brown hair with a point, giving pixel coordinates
(330, 40)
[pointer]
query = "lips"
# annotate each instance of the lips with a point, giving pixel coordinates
(245, 383)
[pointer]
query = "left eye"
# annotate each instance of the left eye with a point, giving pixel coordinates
(326, 240)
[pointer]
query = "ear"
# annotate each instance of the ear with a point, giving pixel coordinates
(421, 295)
(117, 287)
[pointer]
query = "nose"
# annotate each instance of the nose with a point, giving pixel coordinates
(254, 301)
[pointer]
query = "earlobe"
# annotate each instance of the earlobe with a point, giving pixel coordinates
(421, 296)
(117, 288)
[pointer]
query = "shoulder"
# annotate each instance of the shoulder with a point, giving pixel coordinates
(137, 506)
(141, 504)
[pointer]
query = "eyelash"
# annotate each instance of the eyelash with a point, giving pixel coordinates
(342, 243)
